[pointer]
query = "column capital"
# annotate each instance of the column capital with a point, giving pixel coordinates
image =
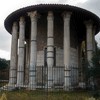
(50, 15)
(14, 26)
(66, 14)
(33, 15)
(89, 24)
(22, 20)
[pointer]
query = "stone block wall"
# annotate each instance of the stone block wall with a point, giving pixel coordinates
(59, 57)
(40, 58)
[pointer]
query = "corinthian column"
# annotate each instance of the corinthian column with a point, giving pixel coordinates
(89, 40)
(33, 52)
(27, 61)
(20, 70)
(13, 61)
(50, 47)
(66, 17)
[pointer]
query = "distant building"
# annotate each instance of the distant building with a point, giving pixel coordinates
(53, 36)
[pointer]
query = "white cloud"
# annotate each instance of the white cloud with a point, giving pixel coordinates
(5, 39)
(4, 54)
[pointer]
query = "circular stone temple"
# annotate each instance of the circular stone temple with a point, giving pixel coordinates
(50, 45)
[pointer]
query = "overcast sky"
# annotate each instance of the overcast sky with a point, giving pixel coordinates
(8, 6)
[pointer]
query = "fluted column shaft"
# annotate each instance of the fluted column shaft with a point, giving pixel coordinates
(27, 61)
(13, 61)
(50, 47)
(89, 40)
(33, 52)
(50, 40)
(20, 70)
(66, 17)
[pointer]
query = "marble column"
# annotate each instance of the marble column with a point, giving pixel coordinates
(20, 70)
(27, 62)
(66, 18)
(33, 51)
(50, 47)
(13, 60)
(89, 40)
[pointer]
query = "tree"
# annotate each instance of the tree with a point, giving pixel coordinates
(94, 69)
(3, 63)
(96, 64)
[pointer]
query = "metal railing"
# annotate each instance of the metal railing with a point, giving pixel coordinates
(58, 79)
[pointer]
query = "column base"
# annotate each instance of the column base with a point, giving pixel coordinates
(11, 87)
(50, 89)
(67, 84)
(31, 87)
(8, 87)
(47, 88)
(19, 85)
(67, 88)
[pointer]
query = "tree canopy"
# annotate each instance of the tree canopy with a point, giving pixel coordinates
(96, 64)
(4, 63)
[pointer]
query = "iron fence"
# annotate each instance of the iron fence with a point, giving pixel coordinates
(57, 75)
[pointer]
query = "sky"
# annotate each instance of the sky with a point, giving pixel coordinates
(8, 6)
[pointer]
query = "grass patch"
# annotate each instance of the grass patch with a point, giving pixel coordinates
(41, 95)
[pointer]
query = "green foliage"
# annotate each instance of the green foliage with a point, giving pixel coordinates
(92, 68)
(3, 63)
(95, 69)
